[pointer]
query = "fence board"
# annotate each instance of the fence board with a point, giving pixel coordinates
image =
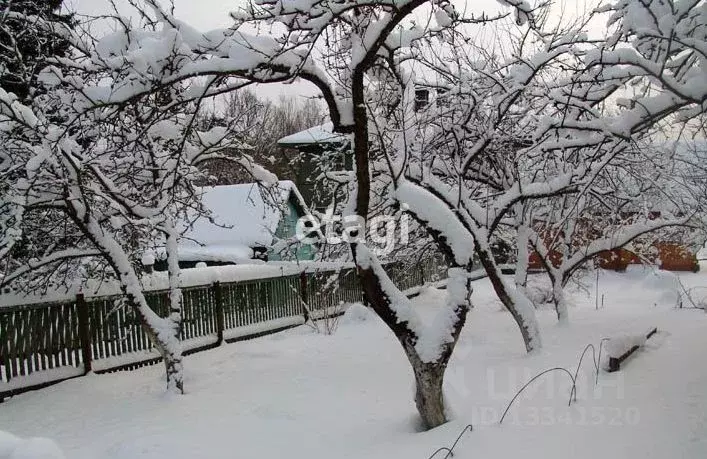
(46, 341)
(63, 337)
(12, 346)
(4, 349)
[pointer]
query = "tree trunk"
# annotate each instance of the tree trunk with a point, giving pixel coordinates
(558, 297)
(429, 397)
(173, 362)
(429, 375)
(517, 304)
(558, 279)
(162, 332)
(523, 259)
(175, 372)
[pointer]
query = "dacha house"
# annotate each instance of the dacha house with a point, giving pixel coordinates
(247, 225)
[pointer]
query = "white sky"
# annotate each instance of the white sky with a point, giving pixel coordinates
(212, 14)
(204, 15)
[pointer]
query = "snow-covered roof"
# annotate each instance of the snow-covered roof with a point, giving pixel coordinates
(322, 134)
(244, 218)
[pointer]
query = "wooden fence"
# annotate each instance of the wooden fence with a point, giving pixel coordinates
(43, 343)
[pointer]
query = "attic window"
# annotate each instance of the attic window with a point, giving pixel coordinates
(260, 253)
(442, 98)
(422, 98)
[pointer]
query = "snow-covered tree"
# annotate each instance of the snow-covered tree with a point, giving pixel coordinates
(470, 162)
(87, 188)
(341, 74)
(651, 70)
(646, 198)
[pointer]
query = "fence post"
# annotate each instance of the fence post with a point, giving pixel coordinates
(303, 293)
(218, 300)
(84, 333)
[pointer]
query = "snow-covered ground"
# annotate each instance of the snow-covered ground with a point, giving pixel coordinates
(301, 395)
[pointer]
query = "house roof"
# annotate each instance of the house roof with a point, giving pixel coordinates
(244, 217)
(322, 134)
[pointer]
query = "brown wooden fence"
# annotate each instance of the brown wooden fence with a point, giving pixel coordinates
(46, 342)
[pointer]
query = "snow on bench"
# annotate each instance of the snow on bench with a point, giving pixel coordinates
(621, 347)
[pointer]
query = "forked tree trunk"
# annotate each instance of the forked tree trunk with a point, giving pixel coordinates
(429, 376)
(558, 279)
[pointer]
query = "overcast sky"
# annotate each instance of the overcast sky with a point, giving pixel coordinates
(211, 14)
(204, 15)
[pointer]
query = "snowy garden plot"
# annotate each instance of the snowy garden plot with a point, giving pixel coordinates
(464, 216)
(342, 393)
(467, 216)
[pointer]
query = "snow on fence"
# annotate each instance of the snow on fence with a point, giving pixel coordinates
(42, 343)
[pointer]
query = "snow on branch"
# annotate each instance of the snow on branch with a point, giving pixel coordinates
(438, 217)
(430, 340)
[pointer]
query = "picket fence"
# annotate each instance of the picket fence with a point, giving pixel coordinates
(43, 343)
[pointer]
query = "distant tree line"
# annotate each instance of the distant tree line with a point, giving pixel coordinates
(272, 120)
